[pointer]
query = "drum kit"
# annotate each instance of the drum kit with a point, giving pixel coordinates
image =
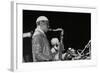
(79, 54)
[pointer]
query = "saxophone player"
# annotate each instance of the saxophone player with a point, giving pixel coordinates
(40, 45)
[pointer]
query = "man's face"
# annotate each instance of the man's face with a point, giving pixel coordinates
(45, 25)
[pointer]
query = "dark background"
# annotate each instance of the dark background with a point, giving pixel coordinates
(77, 27)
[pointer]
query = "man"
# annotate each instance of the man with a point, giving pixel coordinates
(40, 46)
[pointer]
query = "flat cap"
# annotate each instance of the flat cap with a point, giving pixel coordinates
(41, 18)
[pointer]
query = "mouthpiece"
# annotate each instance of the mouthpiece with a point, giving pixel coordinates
(50, 29)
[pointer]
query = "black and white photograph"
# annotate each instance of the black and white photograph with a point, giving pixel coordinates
(55, 36)
(52, 36)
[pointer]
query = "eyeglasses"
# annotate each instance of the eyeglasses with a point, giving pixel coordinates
(46, 23)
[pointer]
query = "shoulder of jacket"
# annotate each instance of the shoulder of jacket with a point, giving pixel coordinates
(36, 34)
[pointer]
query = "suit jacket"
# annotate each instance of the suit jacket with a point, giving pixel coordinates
(40, 47)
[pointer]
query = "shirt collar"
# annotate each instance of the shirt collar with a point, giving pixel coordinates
(39, 29)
